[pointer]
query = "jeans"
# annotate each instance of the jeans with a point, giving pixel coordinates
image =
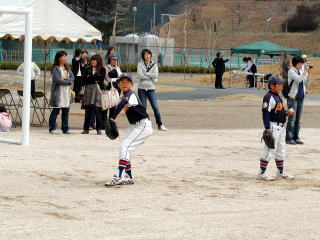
(64, 119)
(152, 96)
(89, 113)
(293, 125)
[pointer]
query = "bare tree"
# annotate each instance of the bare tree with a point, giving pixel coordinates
(195, 15)
(237, 9)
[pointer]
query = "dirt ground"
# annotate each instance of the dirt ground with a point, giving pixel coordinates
(196, 181)
(189, 184)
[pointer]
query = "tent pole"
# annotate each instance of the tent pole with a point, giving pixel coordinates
(45, 65)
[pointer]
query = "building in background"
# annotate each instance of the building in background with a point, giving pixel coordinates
(129, 48)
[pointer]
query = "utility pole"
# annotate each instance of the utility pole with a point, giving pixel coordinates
(185, 40)
(285, 17)
(267, 19)
(154, 15)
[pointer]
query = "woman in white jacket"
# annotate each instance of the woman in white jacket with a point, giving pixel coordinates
(147, 72)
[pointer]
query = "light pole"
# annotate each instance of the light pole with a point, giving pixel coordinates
(266, 20)
(134, 9)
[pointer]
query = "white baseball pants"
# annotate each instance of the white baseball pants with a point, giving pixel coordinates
(138, 133)
(279, 152)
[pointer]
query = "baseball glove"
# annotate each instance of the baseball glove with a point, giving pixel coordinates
(111, 129)
(268, 138)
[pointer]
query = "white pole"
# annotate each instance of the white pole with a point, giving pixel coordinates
(27, 79)
(27, 76)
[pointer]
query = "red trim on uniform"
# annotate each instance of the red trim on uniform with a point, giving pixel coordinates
(128, 166)
(122, 162)
(263, 163)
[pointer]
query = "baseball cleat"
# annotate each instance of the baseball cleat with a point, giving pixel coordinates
(129, 181)
(284, 176)
(163, 128)
(265, 177)
(115, 181)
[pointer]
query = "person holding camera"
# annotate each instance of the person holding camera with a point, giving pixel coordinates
(113, 72)
(297, 82)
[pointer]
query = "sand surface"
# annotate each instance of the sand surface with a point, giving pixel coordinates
(196, 181)
(190, 184)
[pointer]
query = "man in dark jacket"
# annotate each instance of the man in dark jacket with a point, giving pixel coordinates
(219, 66)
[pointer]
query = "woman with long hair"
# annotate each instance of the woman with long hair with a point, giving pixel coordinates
(111, 51)
(147, 72)
(94, 76)
(62, 78)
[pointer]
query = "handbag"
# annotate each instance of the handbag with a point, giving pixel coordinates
(5, 121)
(109, 98)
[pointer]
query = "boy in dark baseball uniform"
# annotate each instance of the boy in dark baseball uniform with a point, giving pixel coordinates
(274, 118)
(140, 130)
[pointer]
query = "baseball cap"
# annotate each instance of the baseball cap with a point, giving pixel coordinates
(123, 76)
(275, 79)
(304, 56)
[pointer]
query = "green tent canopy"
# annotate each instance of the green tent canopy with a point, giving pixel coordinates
(265, 48)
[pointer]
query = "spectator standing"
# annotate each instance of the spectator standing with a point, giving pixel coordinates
(77, 70)
(94, 80)
(113, 71)
(111, 51)
(298, 82)
(60, 99)
(147, 72)
(35, 73)
(219, 69)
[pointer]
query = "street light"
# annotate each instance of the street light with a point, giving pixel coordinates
(266, 30)
(134, 9)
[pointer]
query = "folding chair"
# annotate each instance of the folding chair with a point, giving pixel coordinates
(35, 105)
(7, 100)
(42, 107)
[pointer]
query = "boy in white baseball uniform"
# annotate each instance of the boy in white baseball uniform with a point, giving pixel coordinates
(140, 130)
(274, 118)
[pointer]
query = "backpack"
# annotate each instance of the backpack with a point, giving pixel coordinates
(286, 88)
(253, 69)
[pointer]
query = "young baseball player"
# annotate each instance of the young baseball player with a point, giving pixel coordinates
(274, 118)
(139, 131)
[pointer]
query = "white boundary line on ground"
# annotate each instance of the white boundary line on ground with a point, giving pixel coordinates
(28, 12)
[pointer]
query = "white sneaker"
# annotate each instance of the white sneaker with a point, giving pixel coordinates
(284, 176)
(163, 128)
(54, 132)
(115, 181)
(265, 177)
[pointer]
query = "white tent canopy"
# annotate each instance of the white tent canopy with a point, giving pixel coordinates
(52, 20)
(150, 36)
(132, 36)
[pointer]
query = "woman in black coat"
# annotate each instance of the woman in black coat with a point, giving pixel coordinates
(94, 76)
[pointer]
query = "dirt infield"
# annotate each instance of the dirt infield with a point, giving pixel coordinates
(190, 184)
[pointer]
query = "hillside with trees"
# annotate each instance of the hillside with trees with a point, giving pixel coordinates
(223, 24)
